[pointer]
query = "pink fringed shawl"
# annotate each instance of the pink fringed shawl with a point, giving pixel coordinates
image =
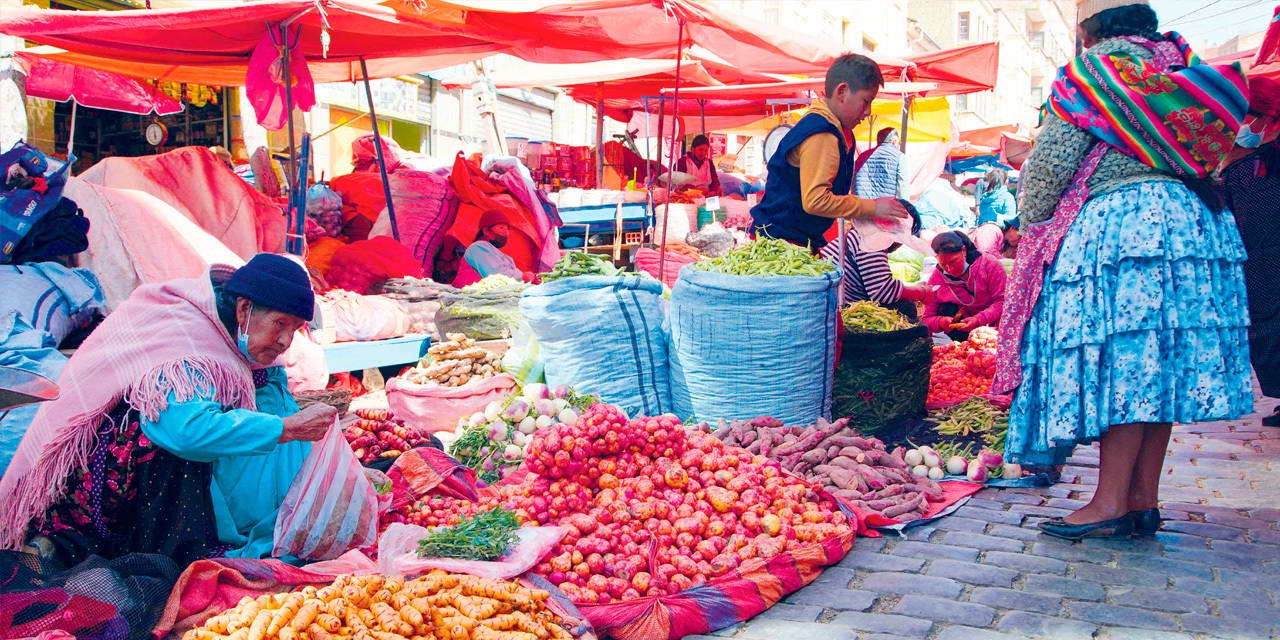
(165, 339)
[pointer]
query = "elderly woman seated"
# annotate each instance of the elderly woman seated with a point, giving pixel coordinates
(175, 432)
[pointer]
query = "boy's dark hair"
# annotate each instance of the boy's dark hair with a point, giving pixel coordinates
(857, 71)
(883, 134)
(1130, 20)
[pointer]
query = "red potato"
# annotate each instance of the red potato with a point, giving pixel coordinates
(890, 491)
(847, 494)
(844, 462)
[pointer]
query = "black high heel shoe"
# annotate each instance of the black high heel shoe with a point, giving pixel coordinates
(1121, 527)
(1146, 520)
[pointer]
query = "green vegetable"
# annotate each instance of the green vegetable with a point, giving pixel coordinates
(767, 257)
(496, 281)
(581, 263)
(865, 316)
(976, 416)
(486, 536)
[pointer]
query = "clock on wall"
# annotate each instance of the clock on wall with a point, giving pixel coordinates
(156, 134)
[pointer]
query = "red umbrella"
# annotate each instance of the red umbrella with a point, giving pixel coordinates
(60, 81)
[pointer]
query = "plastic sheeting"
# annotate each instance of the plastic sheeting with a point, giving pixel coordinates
(194, 182)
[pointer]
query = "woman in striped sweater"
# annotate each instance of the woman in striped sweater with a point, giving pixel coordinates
(867, 275)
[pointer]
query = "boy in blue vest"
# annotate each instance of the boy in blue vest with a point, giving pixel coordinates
(810, 182)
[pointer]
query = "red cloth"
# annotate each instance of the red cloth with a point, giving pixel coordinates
(479, 194)
(423, 471)
(360, 265)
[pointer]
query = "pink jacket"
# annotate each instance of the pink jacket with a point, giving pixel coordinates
(980, 295)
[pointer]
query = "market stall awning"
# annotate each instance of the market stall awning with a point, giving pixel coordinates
(61, 82)
(796, 88)
(990, 136)
(212, 44)
(958, 71)
(930, 120)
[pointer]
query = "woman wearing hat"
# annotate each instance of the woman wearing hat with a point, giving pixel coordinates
(484, 257)
(1126, 311)
(697, 163)
(175, 432)
(998, 239)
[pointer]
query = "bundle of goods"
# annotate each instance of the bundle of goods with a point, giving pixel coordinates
(483, 315)
(975, 417)
(603, 335)
(854, 468)
(357, 318)
(906, 264)
(360, 265)
(377, 434)
(492, 442)
(581, 263)
(768, 257)
(768, 301)
(453, 363)
(678, 254)
(325, 207)
(883, 374)
(652, 511)
(421, 300)
(949, 460)
(490, 283)
(438, 605)
(712, 240)
(963, 369)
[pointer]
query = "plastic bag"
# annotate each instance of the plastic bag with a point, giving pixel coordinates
(331, 507)
(524, 359)
(433, 409)
(358, 318)
(603, 335)
(324, 205)
(746, 346)
(882, 377)
(398, 553)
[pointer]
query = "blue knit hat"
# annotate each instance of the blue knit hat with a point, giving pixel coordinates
(274, 282)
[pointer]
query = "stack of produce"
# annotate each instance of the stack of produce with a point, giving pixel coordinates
(493, 441)
(975, 417)
(651, 509)
(767, 257)
(438, 605)
(485, 536)
(855, 469)
(490, 283)
(906, 264)
(581, 263)
(866, 316)
(377, 434)
(963, 369)
(454, 363)
(948, 460)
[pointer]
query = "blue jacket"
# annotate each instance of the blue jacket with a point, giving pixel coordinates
(252, 471)
(997, 205)
(781, 213)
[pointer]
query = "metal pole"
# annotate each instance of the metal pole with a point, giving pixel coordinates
(906, 116)
(294, 244)
(600, 135)
(71, 137)
(647, 162)
(377, 145)
(702, 107)
(675, 118)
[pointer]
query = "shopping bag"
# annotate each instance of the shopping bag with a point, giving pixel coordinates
(331, 507)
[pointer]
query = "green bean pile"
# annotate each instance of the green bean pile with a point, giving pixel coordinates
(767, 257)
(581, 263)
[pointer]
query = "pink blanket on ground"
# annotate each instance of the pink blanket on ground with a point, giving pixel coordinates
(165, 339)
(196, 183)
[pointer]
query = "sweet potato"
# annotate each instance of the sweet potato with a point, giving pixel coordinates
(890, 491)
(748, 438)
(851, 452)
(847, 494)
(833, 451)
(879, 457)
(907, 506)
(844, 478)
(882, 504)
(874, 479)
(849, 441)
(844, 463)
(766, 421)
(817, 456)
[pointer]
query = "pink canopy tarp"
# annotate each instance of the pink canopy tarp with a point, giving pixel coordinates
(212, 44)
(61, 82)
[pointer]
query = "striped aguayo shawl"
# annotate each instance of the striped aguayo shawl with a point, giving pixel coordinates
(1173, 113)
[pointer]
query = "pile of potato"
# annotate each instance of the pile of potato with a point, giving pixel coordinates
(454, 362)
(439, 605)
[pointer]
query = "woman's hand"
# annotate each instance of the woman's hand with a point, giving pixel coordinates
(916, 292)
(969, 324)
(309, 424)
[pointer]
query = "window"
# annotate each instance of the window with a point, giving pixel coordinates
(1037, 40)
(962, 102)
(963, 35)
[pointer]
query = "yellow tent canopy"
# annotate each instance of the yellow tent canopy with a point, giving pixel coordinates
(929, 120)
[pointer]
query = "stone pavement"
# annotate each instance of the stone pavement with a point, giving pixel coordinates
(986, 572)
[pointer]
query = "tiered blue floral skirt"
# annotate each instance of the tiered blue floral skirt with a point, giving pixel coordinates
(1143, 318)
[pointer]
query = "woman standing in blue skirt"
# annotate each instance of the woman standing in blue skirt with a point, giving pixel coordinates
(1126, 310)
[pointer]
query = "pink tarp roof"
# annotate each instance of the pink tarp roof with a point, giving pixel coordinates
(212, 44)
(92, 88)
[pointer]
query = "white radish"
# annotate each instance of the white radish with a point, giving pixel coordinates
(528, 425)
(956, 465)
(913, 458)
(936, 473)
(920, 470)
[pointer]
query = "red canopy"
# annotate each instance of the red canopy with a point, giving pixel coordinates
(212, 45)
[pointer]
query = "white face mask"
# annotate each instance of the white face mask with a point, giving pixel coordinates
(242, 336)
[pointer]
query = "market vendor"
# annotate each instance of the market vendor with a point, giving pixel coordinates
(998, 239)
(175, 432)
(698, 164)
(811, 172)
(867, 275)
(968, 288)
(484, 257)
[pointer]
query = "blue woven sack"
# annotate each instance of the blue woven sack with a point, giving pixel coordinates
(748, 346)
(603, 335)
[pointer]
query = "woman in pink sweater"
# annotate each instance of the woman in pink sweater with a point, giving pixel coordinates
(969, 288)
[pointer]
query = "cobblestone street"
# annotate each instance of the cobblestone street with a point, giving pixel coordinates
(986, 572)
